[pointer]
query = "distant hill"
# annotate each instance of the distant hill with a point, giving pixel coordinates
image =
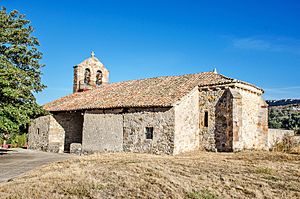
(283, 102)
(284, 114)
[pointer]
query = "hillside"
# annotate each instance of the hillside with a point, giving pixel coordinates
(284, 114)
(197, 175)
(283, 102)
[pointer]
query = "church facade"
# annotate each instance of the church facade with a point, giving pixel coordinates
(161, 115)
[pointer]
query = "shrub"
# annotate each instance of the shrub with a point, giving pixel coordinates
(18, 140)
(1, 141)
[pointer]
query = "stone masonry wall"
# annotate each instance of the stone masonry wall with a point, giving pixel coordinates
(277, 135)
(46, 134)
(102, 132)
(163, 122)
(263, 123)
(224, 121)
(237, 120)
(93, 64)
(56, 136)
(224, 116)
(72, 123)
(208, 102)
(186, 136)
(254, 133)
(38, 133)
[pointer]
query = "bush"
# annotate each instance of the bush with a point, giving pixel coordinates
(18, 140)
(1, 141)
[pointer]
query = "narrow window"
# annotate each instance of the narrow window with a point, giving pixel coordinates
(206, 119)
(38, 131)
(87, 76)
(99, 78)
(149, 133)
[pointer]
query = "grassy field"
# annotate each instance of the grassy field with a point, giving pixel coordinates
(195, 175)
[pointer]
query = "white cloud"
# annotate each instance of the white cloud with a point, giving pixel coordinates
(249, 43)
(271, 44)
(283, 93)
(282, 89)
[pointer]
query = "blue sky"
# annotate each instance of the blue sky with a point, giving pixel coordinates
(251, 40)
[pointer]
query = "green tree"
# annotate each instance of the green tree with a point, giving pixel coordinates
(20, 73)
(274, 119)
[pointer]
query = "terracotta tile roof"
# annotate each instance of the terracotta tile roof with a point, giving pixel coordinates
(151, 92)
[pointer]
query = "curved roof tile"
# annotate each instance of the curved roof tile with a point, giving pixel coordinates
(151, 92)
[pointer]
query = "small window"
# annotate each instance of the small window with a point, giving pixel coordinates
(206, 119)
(38, 131)
(149, 133)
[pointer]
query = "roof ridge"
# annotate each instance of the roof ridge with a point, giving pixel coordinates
(148, 78)
(159, 91)
(121, 82)
(163, 77)
(228, 78)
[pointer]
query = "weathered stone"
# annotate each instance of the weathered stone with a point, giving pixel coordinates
(76, 148)
(134, 130)
(94, 66)
(164, 115)
(254, 130)
(38, 133)
(55, 147)
(102, 132)
(237, 120)
(277, 135)
(71, 123)
(46, 134)
(186, 136)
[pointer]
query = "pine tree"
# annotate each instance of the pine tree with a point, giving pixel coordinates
(20, 72)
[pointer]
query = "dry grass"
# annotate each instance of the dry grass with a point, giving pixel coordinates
(287, 145)
(197, 175)
(295, 150)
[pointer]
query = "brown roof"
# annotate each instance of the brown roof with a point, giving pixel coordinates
(151, 92)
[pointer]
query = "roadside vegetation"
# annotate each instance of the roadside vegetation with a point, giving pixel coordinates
(196, 175)
(16, 140)
(20, 74)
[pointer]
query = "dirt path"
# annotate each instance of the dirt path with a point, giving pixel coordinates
(15, 162)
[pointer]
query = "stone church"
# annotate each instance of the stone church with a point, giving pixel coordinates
(160, 115)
